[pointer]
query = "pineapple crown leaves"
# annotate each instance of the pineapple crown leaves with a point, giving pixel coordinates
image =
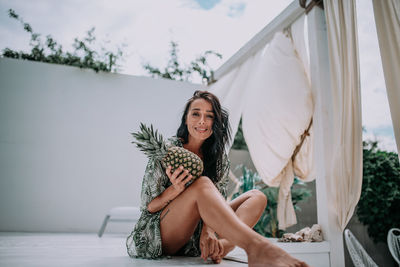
(150, 142)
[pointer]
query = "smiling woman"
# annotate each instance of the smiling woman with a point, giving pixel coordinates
(194, 219)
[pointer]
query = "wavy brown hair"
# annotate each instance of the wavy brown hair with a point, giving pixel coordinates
(214, 146)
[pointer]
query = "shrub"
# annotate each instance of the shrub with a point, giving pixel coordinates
(174, 71)
(268, 223)
(379, 204)
(51, 52)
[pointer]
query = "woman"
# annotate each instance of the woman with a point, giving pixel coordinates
(196, 220)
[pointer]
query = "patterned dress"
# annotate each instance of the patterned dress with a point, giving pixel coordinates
(145, 239)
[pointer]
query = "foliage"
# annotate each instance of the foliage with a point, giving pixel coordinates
(268, 223)
(175, 71)
(379, 203)
(239, 142)
(84, 56)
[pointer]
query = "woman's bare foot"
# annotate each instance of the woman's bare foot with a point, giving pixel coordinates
(267, 254)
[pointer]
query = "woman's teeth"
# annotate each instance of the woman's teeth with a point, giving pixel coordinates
(201, 129)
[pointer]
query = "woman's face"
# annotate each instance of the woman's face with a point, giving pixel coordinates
(200, 119)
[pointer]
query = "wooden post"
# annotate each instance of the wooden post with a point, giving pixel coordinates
(323, 128)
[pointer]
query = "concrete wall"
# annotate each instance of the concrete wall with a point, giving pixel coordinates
(66, 155)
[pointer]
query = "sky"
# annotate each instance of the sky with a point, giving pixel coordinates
(146, 28)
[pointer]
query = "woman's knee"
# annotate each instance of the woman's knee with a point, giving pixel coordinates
(260, 196)
(203, 182)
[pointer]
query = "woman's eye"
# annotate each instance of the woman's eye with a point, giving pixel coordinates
(210, 116)
(195, 114)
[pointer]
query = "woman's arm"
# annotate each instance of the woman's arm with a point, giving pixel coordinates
(178, 178)
(210, 245)
(162, 200)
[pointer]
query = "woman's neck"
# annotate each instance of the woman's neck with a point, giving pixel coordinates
(194, 146)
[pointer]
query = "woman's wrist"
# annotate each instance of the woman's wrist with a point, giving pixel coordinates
(207, 229)
(172, 194)
(175, 191)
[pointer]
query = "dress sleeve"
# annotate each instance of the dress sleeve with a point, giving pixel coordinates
(223, 183)
(153, 184)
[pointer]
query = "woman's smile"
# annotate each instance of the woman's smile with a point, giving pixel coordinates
(201, 129)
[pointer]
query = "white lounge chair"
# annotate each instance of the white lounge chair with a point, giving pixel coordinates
(357, 253)
(120, 214)
(393, 240)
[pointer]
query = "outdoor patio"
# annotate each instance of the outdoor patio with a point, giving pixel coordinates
(67, 156)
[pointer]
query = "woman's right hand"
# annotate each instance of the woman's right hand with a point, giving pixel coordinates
(178, 178)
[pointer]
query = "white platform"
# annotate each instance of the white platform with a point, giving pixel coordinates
(315, 254)
(47, 249)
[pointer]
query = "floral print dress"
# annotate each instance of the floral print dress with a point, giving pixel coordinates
(145, 239)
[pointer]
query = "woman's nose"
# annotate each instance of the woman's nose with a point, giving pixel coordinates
(201, 120)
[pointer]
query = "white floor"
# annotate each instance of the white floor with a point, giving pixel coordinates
(43, 249)
(47, 249)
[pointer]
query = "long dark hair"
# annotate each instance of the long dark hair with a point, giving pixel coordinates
(214, 146)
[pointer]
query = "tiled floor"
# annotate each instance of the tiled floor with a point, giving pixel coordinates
(45, 249)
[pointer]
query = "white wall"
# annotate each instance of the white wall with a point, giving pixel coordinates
(66, 155)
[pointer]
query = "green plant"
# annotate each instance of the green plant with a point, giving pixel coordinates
(49, 51)
(239, 142)
(174, 71)
(268, 223)
(379, 204)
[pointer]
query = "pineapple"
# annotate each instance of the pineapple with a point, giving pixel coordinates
(153, 145)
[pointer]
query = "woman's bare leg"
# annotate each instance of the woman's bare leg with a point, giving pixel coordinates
(249, 207)
(179, 220)
(202, 199)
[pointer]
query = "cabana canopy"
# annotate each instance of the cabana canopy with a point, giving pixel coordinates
(301, 111)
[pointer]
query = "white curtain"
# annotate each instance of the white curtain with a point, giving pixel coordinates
(271, 91)
(232, 90)
(344, 178)
(387, 20)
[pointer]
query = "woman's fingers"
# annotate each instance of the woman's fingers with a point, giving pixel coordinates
(217, 260)
(168, 171)
(217, 252)
(182, 176)
(212, 247)
(177, 172)
(172, 176)
(204, 252)
(221, 249)
(187, 179)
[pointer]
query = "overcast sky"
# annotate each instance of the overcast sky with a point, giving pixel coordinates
(146, 28)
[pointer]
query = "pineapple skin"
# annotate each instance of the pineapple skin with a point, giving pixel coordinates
(152, 144)
(179, 156)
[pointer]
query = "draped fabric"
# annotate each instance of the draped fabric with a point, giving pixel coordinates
(232, 90)
(344, 177)
(271, 91)
(387, 20)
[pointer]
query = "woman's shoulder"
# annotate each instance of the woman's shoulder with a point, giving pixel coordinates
(174, 141)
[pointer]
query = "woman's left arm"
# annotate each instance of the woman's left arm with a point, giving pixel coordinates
(210, 245)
